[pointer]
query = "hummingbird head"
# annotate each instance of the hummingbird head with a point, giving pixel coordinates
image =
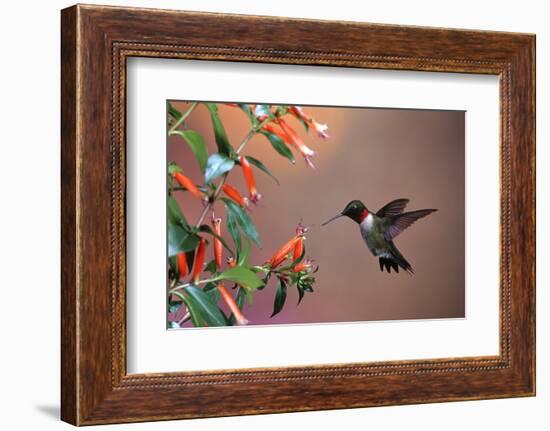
(355, 210)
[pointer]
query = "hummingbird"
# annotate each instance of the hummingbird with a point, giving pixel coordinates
(380, 228)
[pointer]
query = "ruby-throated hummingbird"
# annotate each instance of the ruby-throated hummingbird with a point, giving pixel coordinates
(380, 228)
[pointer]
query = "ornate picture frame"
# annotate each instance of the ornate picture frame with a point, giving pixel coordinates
(96, 42)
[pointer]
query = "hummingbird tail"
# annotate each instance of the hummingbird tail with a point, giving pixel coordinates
(388, 264)
(394, 262)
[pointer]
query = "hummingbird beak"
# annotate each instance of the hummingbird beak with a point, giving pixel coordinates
(333, 218)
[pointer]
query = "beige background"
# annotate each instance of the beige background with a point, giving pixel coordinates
(375, 155)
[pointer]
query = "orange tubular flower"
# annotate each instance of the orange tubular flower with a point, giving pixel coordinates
(199, 261)
(233, 194)
(230, 301)
(272, 128)
(217, 225)
(182, 264)
(305, 264)
(188, 184)
(296, 241)
(295, 140)
(319, 128)
(231, 262)
(298, 249)
(250, 181)
(302, 266)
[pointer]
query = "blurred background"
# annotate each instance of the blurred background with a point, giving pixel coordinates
(374, 155)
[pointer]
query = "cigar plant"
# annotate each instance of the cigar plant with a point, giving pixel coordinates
(213, 292)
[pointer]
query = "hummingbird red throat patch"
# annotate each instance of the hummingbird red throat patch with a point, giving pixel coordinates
(363, 215)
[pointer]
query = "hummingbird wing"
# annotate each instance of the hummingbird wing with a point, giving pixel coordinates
(393, 208)
(402, 221)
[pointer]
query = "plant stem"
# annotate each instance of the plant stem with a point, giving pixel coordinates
(180, 189)
(218, 190)
(184, 285)
(185, 318)
(183, 118)
(247, 138)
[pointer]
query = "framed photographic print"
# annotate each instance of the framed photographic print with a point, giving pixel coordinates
(332, 222)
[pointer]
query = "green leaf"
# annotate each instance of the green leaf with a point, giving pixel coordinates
(173, 262)
(248, 294)
(243, 220)
(173, 167)
(280, 297)
(208, 229)
(304, 123)
(201, 304)
(253, 120)
(196, 315)
(233, 230)
(244, 255)
(210, 267)
(265, 280)
(240, 298)
(174, 112)
(175, 215)
(241, 276)
(209, 286)
(196, 144)
(174, 306)
(262, 167)
(219, 132)
(217, 164)
(262, 110)
(279, 145)
(213, 293)
(180, 240)
(300, 294)
(281, 110)
(240, 302)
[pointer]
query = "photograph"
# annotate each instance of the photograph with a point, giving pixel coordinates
(284, 214)
(333, 207)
